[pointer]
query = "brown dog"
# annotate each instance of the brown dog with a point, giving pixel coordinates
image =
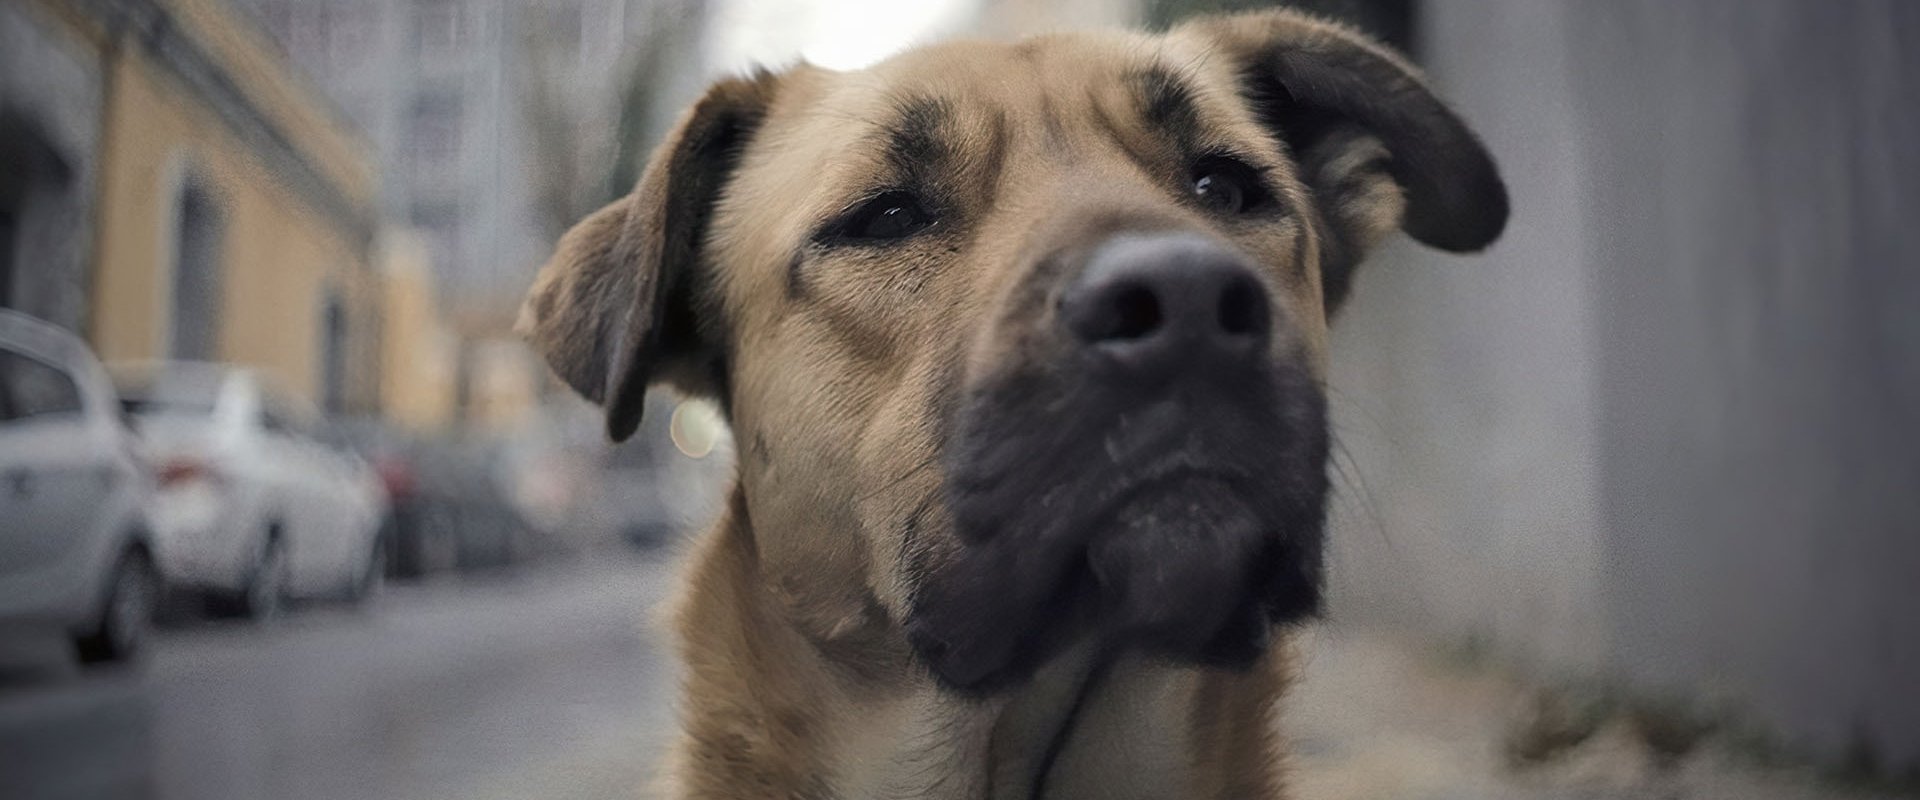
(1023, 347)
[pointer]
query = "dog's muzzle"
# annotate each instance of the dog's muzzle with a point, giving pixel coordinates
(1154, 475)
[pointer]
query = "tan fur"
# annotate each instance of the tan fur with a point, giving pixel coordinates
(832, 363)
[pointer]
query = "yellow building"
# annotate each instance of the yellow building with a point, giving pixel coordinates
(418, 353)
(219, 208)
(502, 381)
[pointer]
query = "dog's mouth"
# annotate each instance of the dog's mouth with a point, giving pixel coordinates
(1187, 537)
(1174, 558)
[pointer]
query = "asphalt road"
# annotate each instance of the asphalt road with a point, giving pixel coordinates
(550, 683)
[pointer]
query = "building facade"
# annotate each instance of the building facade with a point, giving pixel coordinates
(50, 111)
(490, 119)
(173, 191)
(419, 353)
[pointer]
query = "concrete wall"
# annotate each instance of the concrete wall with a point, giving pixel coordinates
(1666, 431)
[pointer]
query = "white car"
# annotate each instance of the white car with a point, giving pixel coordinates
(252, 507)
(74, 548)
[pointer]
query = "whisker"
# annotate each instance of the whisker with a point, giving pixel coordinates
(902, 477)
(1350, 475)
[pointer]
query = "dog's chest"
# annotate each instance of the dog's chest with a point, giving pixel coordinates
(1128, 739)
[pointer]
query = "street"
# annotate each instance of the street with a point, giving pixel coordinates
(550, 683)
(542, 684)
(1562, 357)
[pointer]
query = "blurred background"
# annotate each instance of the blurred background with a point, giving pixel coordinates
(1627, 507)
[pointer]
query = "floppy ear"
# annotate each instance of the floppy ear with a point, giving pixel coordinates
(1375, 145)
(613, 310)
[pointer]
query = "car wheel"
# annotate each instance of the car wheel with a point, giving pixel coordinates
(265, 596)
(128, 614)
(372, 574)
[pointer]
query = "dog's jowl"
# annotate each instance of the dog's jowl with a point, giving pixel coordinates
(1023, 348)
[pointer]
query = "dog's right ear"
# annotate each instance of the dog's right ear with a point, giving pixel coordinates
(611, 311)
(1375, 145)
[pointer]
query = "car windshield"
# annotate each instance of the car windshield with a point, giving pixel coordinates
(189, 394)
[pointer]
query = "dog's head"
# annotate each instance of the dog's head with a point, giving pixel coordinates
(1024, 342)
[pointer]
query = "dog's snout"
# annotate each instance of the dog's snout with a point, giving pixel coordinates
(1158, 303)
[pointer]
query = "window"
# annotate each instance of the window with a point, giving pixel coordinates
(564, 25)
(439, 27)
(441, 224)
(198, 288)
(436, 216)
(433, 133)
(32, 388)
(350, 32)
(333, 353)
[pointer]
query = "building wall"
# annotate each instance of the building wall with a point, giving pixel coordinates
(300, 114)
(418, 351)
(1664, 431)
(504, 383)
(194, 101)
(452, 92)
(278, 258)
(50, 87)
(495, 123)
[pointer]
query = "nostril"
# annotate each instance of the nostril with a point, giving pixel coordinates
(1135, 313)
(1156, 301)
(1243, 309)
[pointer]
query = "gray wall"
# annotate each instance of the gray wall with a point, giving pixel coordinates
(50, 100)
(1668, 430)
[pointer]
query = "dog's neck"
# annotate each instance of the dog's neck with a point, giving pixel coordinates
(1086, 726)
(852, 717)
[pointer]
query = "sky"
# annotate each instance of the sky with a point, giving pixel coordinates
(837, 34)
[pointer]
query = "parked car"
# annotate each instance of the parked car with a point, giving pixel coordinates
(75, 555)
(450, 509)
(461, 478)
(416, 544)
(252, 507)
(669, 480)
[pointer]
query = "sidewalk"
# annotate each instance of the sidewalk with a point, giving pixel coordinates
(1378, 719)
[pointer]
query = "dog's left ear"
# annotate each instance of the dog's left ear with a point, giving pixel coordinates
(1375, 145)
(612, 311)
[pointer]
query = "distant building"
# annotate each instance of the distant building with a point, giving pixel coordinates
(419, 353)
(475, 108)
(169, 190)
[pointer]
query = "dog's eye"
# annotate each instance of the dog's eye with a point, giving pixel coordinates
(892, 215)
(1226, 186)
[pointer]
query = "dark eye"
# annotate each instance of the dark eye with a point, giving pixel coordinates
(892, 215)
(1226, 186)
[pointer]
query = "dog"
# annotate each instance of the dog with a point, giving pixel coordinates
(1023, 347)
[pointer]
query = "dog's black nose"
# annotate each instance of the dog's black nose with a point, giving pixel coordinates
(1159, 304)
